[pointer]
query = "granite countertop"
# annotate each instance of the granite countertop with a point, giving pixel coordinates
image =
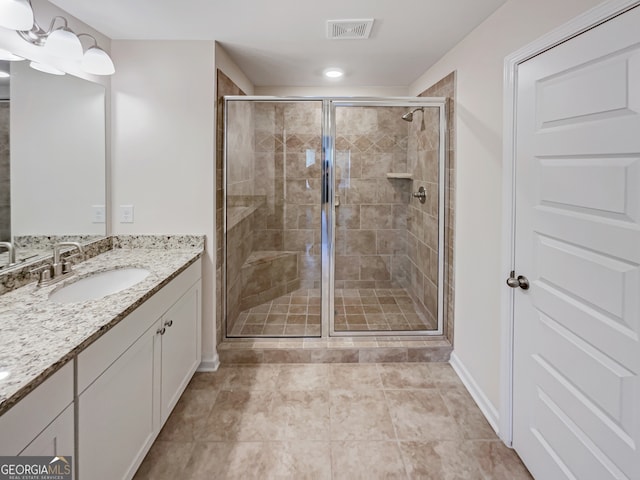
(38, 337)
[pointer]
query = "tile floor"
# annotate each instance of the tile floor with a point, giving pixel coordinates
(298, 313)
(337, 421)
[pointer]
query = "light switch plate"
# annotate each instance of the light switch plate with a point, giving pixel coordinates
(98, 214)
(126, 213)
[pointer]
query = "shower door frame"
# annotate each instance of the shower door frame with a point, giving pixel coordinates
(328, 206)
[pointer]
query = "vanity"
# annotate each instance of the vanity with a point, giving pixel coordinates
(87, 372)
(97, 379)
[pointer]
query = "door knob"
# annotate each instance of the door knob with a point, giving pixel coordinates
(519, 281)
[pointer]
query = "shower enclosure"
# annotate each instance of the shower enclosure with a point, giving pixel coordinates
(333, 216)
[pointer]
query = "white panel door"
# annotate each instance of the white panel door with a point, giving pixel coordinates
(576, 334)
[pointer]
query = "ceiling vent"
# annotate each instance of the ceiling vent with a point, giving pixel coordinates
(349, 29)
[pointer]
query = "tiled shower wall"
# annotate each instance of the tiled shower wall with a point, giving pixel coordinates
(288, 162)
(371, 223)
(422, 218)
(241, 150)
(446, 87)
(5, 186)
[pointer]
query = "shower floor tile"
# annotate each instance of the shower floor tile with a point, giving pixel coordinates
(356, 310)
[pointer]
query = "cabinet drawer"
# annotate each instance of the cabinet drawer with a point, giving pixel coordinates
(102, 353)
(29, 417)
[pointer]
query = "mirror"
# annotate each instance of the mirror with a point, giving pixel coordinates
(52, 160)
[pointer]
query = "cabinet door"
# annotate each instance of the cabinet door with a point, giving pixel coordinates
(55, 440)
(118, 419)
(180, 348)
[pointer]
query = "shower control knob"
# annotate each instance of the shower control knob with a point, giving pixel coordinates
(518, 282)
(421, 195)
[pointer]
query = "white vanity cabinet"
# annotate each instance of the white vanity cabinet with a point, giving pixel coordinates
(42, 422)
(130, 379)
(180, 349)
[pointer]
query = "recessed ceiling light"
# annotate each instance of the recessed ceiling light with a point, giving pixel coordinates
(333, 72)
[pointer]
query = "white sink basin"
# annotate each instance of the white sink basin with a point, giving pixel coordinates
(99, 285)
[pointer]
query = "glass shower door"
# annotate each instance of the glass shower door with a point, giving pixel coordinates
(272, 276)
(387, 261)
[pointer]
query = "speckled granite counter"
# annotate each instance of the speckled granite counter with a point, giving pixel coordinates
(38, 337)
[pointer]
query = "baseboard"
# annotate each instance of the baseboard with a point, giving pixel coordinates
(490, 412)
(209, 365)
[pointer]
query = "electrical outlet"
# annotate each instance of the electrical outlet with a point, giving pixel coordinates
(98, 214)
(126, 213)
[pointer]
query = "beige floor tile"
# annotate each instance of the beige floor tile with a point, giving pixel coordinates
(360, 415)
(439, 461)
(188, 416)
(405, 375)
(259, 460)
(472, 422)
(165, 461)
(421, 415)
(443, 375)
(303, 377)
(242, 416)
(366, 460)
(497, 461)
(208, 380)
(304, 414)
(251, 377)
(349, 377)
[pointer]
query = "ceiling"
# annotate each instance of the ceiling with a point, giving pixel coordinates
(284, 42)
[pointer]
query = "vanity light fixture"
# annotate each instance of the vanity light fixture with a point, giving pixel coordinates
(62, 42)
(333, 72)
(4, 74)
(16, 14)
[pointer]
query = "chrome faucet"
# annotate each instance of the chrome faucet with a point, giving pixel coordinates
(12, 252)
(63, 268)
(59, 269)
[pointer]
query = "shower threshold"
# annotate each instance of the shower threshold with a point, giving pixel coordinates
(384, 349)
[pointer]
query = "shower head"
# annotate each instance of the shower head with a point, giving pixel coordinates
(408, 117)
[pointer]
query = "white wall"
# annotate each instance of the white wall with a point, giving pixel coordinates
(57, 153)
(333, 91)
(225, 63)
(163, 120)
(480, 277)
